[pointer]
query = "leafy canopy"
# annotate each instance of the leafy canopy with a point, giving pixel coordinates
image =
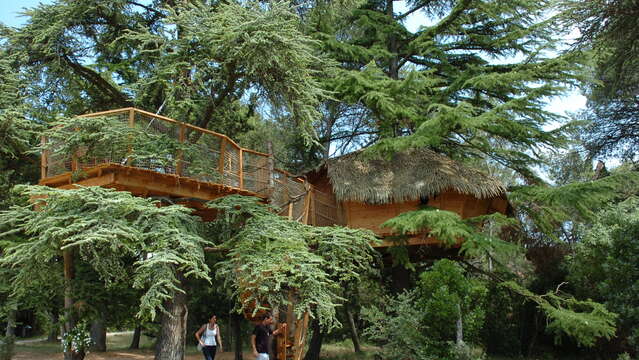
(270, 256)
(105, 228)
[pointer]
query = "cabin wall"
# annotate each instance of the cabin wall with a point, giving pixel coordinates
(371, 216)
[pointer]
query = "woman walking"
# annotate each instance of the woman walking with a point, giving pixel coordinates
(209, 338)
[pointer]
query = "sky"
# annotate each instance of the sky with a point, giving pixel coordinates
(571, 102)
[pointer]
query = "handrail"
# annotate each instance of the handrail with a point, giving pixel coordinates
(225, 162)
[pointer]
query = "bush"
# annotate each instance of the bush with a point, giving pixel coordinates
(421, 324)
(7, 347)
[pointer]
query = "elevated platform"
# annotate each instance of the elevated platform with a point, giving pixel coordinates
(205, 165)
(201, 165)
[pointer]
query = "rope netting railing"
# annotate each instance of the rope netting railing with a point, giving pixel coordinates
(186, 150)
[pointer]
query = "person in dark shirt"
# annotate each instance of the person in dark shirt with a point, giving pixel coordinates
(261, 336)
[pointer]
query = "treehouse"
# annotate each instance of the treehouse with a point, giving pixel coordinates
(189, 165)
(155, 156)
(370, 191)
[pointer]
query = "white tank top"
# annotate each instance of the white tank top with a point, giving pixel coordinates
(209, 336)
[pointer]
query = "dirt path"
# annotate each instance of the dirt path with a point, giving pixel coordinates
(124, 355)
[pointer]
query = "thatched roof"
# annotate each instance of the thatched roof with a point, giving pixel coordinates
(408, 175)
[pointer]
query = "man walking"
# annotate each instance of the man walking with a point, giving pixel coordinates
(261, 336)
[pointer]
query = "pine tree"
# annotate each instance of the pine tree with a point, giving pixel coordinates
(203, 62)
(106, 229)
(470, 82)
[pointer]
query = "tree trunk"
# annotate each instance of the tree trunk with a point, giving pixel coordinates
(98, 335)
(353, 329)
(69, 275)
(315, 345)
(52, 336)
(172, 339)
(349, 304)
(237, 335)
(11, 323)
(401, 278)
(74, 355)
(135, 341)
(393, 66)
(460, 327)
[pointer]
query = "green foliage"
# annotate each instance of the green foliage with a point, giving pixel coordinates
(105, 228)
(18, 134)
(421, 324)
(470, 83)
(449, 228)
(271, 255)
(446, 294)
(215, 65)
(608, 30)
(77, 340)
(549, 206)
(583, 320)
(399, 326)
(503, 327)
(604, 267)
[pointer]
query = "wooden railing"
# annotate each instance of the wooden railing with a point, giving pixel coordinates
(211, 157)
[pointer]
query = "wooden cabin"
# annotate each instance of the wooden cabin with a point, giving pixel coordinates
(370, 191)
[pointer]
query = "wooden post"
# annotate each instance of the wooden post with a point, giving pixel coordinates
(301, 327)
(270, 173)
(180, 153)
(307, 205)
(75, 164)
(44, 160)
(69, 274)
(129, 161)
(314, 207)
(222, 157)
(241, 168)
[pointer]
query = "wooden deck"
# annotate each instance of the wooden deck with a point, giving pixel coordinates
(216, 166)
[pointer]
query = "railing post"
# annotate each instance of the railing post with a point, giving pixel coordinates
(44, 160)
(271, 169)
(222, 157)
(180, 153)
(129, 161)
(240, 170)
(75, 164)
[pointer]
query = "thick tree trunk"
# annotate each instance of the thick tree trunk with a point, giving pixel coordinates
(98, 335)
(237, 336)
(11, 323)
(172, 340)
(135, 341)
(315, 345)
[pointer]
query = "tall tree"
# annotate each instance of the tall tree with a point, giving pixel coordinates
(202, 62)
(470, 82)
(105, 229)
(608, 29)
